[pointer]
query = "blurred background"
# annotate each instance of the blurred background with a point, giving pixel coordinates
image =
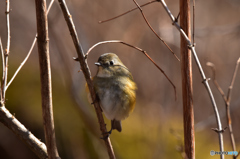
(155, 128)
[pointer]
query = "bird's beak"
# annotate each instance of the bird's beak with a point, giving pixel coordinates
(97, 63)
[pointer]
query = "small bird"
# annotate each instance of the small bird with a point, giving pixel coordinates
(115, 89)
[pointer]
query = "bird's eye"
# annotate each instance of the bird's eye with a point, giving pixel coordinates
(111, 62)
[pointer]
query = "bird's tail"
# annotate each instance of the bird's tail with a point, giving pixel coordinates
(116, 125)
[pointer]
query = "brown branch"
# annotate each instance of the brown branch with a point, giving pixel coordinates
(87, 74)
(139, 7)
(103, 21)
(45, 73)
(139, 49)
(22, 133)
(227, 100)
(187, 88)
(28, 54)
(154, 30)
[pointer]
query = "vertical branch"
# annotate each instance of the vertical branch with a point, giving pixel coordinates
(193, 35)
(45, 73)
(3, 67)
(227, 102)
(5, 71)
(28, 54)
(87, 74)
(187, 90)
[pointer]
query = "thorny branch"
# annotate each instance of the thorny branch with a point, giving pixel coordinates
(87, 74)
(139, 49)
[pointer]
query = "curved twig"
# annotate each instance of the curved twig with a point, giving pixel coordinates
(139, 49)
(154, 30)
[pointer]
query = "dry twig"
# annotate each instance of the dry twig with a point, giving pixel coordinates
(28, 54)
(154, 30)
(103, 21)
(149, 25)
(87, 74)
(7, 51)
(227, 100)
(3, 65)
(139, 49)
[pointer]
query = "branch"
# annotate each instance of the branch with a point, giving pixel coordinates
(187, 88)
(227, 100)
(205, 81)
(7, 51)
(154, 31)
(3, 68)
(87, 74)
(45, 72)
(215, 81)
(139, 7)
(28, 54)
(22, 133)
(103, 21)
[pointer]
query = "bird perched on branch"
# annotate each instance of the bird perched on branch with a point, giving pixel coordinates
(115, 89)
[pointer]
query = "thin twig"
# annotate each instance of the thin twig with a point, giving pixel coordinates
(205, 80)
(139, 49)
(45, 75)
(2, 55)
(28, 54)
(154, 30)
(7, 51)
(193, 35)
(103, 21)
(215, 81)
(87, 74)
(139, 7)
(22, 133)
(227, 100)
(3, 68)
(228, 107)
